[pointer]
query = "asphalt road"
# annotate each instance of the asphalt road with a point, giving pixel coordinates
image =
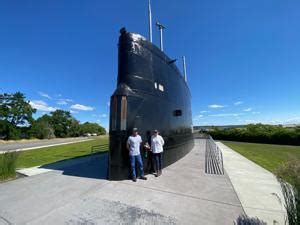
(22, 146)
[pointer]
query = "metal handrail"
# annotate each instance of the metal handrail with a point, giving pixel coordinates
(215, 153)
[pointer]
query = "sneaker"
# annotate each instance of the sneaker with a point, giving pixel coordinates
(143, 178)
(134, 179)
(156, 174)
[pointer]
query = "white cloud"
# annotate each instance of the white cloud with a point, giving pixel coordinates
(215, 106)
(238, 103)
(205, 111)
(103, 115)
(61, 102)
(43, 94)
(276, 121)
(252, 121)
(225, 114)
(82, 107)
(247, 110)
(66, 99)
(73, 111)
(255, 112)
(108, 103)
(41, 106)
(293, 120)
(198, 117)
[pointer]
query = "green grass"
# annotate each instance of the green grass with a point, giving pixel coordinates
(48, 155)
(268, 156)
(8, 165)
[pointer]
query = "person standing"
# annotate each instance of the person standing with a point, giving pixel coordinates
(148, 154)
(133, 145)
(157, 143)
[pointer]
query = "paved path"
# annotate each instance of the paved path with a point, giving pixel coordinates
(79, 194)
(22, 146)
(257, 188)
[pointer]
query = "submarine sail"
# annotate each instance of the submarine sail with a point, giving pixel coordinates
(151, 94)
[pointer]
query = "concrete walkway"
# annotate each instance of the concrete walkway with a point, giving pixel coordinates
(257, 188)
(79, 194)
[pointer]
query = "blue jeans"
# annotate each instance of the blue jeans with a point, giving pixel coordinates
(158, 161)
(133, 159)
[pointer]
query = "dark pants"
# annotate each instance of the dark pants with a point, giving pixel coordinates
(158, 161)
(149, 167)
(138, 159)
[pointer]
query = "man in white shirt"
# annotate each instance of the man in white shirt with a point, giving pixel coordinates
(133, 145)
(157, 143)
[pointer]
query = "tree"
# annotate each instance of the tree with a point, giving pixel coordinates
(42, 128)
(259, 133)
(75, 129)
(16, 121)
(61, 122)
(92, 128)
(15, 111)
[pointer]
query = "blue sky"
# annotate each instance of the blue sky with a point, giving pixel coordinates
(242, 56)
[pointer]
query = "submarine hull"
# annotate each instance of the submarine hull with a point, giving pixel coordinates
(151, 94)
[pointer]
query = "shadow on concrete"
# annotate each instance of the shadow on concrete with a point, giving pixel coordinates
(94, 166)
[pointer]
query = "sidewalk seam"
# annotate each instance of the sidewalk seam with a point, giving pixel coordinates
(183, 195)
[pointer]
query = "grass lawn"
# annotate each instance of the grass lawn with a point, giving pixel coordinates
(48, 155)
(268, 156)
(8, 165)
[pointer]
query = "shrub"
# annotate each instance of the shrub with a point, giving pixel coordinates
(288, 176)
(13, 132)
(259, 133)
(8, 165)
(246, 220)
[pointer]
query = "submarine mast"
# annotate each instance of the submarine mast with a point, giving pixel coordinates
(150, 20)
(184, 68)
(161, 27)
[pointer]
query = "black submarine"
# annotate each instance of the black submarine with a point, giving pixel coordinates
(151, 94)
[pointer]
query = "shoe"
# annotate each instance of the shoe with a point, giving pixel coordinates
(143, 178)
(156, 175)
(134, 179)
(159, 173)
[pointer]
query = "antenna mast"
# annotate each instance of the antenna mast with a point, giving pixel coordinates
(161, 27)
(184, 68)
(150, 20)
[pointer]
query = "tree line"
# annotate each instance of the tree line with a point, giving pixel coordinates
(16, 121)
(259, 133)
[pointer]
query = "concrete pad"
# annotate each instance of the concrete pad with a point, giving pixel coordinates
(258, 189)
(33, 171)
(79, 194)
